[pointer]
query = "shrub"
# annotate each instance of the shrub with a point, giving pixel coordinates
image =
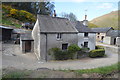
(85, 49)
(64, 54)
(97, 53)
(73, 48)
(99, 47)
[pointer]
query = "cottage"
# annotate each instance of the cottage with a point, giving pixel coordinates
(101, 33)
(50, 32)
(5, 33)
(86, 37)
(112, 37)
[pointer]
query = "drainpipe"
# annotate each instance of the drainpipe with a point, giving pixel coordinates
(46, 48)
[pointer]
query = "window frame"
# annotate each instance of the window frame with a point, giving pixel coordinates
(59, 36)
(85, 34)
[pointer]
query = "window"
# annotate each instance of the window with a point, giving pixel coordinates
(98, 33)
(102, 37)
(86, 34)
(85, 44)
(98, 36)
(64, 46)
(59, 36)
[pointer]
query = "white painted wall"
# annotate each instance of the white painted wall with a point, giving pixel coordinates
(91, 39)
(107, 40)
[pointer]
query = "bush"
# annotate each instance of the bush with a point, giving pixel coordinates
(64, 54)
(97, 53)
(85, 49)
(99, 47)
(73, 48)
(21, 15)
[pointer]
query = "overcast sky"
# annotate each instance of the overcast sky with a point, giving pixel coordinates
(94, 8)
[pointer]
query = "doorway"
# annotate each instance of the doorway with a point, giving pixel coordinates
(27, 46)
(114, 41)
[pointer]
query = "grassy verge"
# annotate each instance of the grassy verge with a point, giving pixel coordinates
(100, 70)
(17, 74)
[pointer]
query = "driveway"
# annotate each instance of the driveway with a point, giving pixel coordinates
(12, 57)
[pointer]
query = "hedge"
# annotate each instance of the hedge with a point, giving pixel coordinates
(64, 54)
(97, 53)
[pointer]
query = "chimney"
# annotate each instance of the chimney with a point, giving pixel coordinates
(54, 13)
(85, 17)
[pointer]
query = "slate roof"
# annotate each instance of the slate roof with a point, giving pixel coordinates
(50, 24)
(113, 33)
(81, 28)
(102, 30)
(26, 36)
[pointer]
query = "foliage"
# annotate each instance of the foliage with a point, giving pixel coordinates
(45, 7)
(64, 54)
(73, 48)
(101, 70)
(99, 47)
(18, 14)
(84, 49)
(70, 16)
(97, 53)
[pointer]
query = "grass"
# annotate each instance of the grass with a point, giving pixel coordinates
(10, 22)
(100, 70)
(17, 74)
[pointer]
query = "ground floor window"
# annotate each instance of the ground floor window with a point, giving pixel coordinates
(64, 46)
(85, 44)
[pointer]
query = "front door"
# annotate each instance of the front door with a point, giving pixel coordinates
(27, 46)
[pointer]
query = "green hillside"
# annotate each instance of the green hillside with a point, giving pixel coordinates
(14, 17)
(107, 20)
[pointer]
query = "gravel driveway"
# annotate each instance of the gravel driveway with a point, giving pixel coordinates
(12, 57)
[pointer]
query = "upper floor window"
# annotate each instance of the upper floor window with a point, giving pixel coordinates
(98, 33)
(85, 34)
(59, 36)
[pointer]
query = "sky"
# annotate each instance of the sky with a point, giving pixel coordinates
(94, 8)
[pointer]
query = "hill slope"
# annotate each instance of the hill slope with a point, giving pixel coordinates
(107, 20)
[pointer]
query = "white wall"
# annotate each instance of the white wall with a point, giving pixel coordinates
(107, 40)
(91, 39)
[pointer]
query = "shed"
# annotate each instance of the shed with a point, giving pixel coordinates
(5, 33)
(26, 43)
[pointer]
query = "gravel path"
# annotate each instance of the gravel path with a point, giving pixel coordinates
(12, 57)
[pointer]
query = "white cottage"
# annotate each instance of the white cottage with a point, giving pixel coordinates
(86, 37)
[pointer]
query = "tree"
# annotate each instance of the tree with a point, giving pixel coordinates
(44, 8)
(70, 16)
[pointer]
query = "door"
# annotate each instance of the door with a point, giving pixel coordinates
(114, 41)
(27, 46)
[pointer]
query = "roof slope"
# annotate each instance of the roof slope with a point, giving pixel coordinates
(102, 30)
(81, 28)
(50, 24)
(113, 33)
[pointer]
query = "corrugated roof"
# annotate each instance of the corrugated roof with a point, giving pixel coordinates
(113, 33)
(50, 24)
(81, 28)
(5, 27)
(19, 31)
(102, 30)
(26, 36)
